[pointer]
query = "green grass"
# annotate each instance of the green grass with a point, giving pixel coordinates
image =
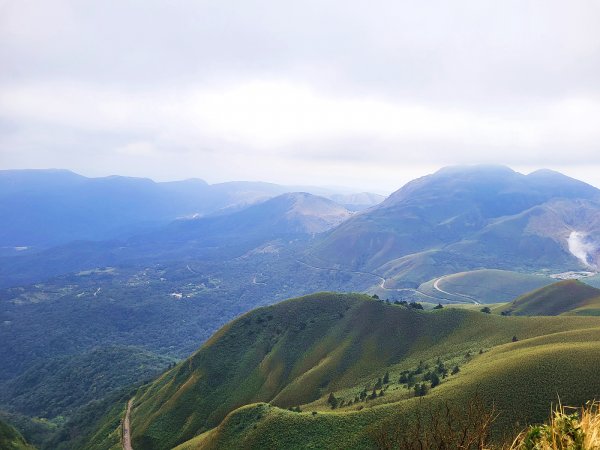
(298, 351)
(520, 379)
(569, 297)
(486, 285)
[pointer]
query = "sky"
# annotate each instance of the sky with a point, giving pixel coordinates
(346, 93)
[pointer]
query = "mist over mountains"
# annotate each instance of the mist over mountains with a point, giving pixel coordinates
(42, 208)
(157, 268)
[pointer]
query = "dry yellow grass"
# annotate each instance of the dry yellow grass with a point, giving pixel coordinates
(568, 429)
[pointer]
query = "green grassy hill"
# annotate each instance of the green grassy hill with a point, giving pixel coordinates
(11, 439)
(297, 352)
(485, 285)
(569, 297)
(520, 379)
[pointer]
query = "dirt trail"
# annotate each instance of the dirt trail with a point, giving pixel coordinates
(126, 428)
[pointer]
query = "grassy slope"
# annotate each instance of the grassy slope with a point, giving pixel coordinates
(487, 285)
(521, 379)
(297, 351)
(569, 297)
(11, 439)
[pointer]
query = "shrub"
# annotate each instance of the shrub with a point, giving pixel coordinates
(579, 430)
(441, 426)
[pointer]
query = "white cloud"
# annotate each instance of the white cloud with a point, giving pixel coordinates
(277, 115)
(264, 88)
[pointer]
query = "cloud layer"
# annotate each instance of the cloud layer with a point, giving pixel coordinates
(324, 92)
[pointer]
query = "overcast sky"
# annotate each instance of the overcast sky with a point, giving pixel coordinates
(362, 94)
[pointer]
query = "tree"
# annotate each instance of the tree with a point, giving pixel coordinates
(379, 383)
(420, 389)
(332, 401)
(415, 305)
(435, 379)
(515, 339)
(455, 370)
(486, 310)
(375, 296)
(363, 394)
(439, 306)
(386, 378)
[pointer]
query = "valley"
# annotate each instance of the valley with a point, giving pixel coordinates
(400, 284)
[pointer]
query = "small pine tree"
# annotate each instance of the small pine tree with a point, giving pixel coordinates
(486, 310)
(455, 370)
(439, 306)
(515, 339)
(379, 383)
(420, 389)
(435, 379)
(332, 401)
(386, 378)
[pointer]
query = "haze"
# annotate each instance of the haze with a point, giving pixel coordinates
(314, 92)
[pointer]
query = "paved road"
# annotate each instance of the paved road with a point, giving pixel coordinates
(126, 428)
(382, 280)
(437, 288)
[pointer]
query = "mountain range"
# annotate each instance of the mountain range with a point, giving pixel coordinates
(149, 271)
(43, 208)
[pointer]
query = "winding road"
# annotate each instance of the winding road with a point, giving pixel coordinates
(127, 427)
(437, 288)
(382, 280)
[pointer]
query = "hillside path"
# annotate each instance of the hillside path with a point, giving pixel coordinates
(382, 280)
(126, 428)
(439, 289)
